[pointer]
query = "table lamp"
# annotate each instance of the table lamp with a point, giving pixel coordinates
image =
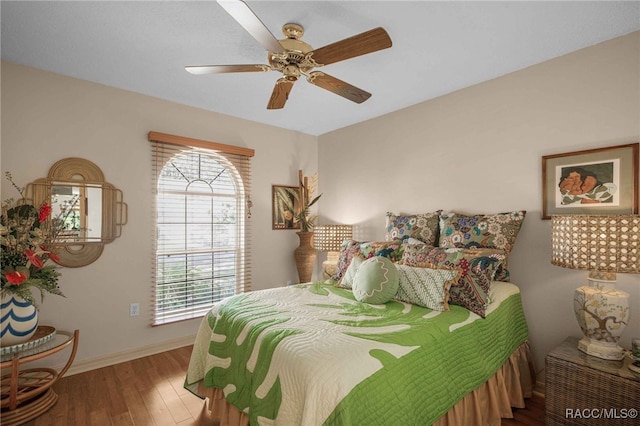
(329, 238)
(604, 245)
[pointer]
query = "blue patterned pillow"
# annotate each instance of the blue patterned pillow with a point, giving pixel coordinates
(497, 231)
(423, 227)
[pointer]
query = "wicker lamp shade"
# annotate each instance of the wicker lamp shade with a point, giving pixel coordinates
(605, 243)
(330, 237)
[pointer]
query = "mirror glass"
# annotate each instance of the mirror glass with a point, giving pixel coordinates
(87, 212)
(76, 212)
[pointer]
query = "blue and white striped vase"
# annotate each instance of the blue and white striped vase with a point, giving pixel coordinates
(18, 320)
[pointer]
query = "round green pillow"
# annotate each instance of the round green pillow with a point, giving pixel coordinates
(376, 281)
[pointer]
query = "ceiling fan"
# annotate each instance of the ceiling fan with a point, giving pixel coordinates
(294, 58)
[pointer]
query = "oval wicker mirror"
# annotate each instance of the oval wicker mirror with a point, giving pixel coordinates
(87, 212)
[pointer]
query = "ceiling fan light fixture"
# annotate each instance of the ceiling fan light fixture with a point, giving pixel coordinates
(291, 72)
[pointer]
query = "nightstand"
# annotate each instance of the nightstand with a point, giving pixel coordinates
(585, 390)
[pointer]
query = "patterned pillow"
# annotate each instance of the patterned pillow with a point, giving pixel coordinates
(389, 249)
(350, 248)
(423, 227)
(350, 275)
(376, 281)
(426, 286)
(415, 253)
(478, 268)
(497, 231)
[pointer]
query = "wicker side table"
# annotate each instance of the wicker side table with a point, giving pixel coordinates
(585, 390)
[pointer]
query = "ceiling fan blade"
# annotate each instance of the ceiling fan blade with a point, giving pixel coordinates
(361, 44)
(280, 93)
(218, 69)
(338, 87)
(241, 12)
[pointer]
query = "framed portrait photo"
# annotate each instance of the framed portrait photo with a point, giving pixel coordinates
(594, 181)
(285, 203)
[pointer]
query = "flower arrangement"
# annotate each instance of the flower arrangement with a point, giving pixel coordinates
(303, 215)
(296, 202)
(25, 235)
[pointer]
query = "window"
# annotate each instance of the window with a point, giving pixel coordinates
(201, 213)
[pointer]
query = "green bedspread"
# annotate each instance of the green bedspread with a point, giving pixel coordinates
(311, 354)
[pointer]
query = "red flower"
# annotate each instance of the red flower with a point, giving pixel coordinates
(16, 277)
(54, 257)
(34, 258)
(45, 211)
(51, 254)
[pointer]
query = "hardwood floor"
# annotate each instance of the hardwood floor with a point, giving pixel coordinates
(149, 391)
(145, 391)
(533, 415)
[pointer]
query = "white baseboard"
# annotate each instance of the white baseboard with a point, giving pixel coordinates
(118, 357)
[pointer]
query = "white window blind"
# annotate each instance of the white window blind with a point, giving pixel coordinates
(202, 235)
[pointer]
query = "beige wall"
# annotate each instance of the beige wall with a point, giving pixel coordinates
(479, 151)
(47, 117)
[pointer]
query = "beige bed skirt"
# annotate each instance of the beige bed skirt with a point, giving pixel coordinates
(484, 406)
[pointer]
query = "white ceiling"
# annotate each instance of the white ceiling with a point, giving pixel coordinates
(438, 47)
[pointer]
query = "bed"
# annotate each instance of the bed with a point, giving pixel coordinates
(316, 354)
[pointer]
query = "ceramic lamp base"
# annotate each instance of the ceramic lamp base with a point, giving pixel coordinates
(330, 266)
(602, 312)
(600, 349)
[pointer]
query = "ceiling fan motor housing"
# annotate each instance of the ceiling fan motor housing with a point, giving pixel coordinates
(293, 61)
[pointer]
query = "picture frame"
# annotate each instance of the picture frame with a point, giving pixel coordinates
(285, 201)
(593, 181)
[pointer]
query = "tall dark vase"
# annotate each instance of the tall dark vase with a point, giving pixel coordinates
(305, 256)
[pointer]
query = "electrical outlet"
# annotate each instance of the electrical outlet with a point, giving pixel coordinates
(134, 309)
